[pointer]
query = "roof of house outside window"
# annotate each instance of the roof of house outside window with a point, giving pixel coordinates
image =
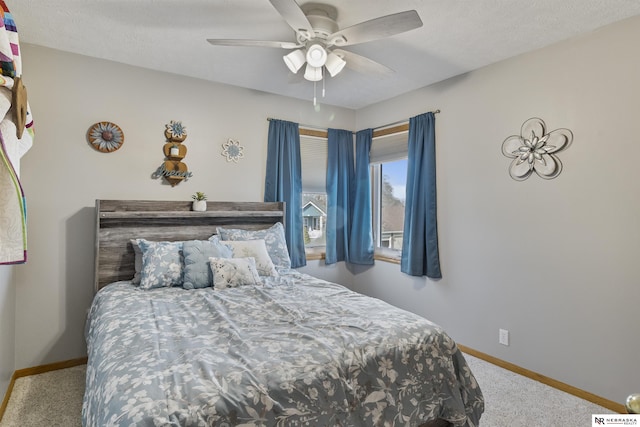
(311, 209)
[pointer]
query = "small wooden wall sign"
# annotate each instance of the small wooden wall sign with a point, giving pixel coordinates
(173, 169)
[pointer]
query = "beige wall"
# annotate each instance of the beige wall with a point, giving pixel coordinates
(62, 175)
(7, 327)
(554, 262)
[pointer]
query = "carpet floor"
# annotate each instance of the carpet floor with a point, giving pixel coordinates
(54, 399)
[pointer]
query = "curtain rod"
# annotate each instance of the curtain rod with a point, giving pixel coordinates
(376, 128)
(301, 125)
(400, 122)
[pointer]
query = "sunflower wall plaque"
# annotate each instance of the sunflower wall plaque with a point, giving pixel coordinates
(105, 137)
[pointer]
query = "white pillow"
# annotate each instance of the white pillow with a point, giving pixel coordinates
(273, 237)
(256, 249)
(232, 272)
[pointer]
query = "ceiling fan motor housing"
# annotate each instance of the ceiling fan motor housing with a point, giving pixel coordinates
(323, 26)
(322, 23)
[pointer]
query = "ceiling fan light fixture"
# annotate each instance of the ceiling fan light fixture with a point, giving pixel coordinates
(334, 64)
(313, 74)
(316, 55)
(294, 60)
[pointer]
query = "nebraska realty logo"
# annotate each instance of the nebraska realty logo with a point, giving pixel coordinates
(616, 420)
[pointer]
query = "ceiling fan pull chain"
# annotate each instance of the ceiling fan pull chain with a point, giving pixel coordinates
(323, 82)
(314, 94)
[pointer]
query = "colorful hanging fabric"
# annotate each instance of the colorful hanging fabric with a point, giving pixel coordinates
(14, 143)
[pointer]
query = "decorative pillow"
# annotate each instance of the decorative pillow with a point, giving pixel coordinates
(197, 273)
(256, 249)
(232, 272)
(273, 237)
(162, 264)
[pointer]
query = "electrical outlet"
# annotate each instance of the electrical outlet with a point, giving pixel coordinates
(504, 337)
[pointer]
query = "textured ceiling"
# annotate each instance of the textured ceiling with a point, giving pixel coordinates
(170, 35)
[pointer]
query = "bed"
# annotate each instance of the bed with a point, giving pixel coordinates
(265, 349)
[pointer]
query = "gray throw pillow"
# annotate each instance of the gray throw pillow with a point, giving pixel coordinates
(197, 273)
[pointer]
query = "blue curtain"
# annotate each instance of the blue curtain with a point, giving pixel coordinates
(340, 193)
(283, 183)
(361, 239)
(420, 238)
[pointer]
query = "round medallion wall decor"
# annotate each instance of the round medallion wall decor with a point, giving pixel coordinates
(105, 137)
(232, 150)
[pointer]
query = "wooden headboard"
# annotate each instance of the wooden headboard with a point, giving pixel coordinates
(118, 221)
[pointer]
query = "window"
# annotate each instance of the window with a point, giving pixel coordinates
(313, 155)
(392, 197)
(314, 208)
(388, 159)
(389, 179)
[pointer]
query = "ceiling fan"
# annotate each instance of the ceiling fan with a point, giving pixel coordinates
(319, 40)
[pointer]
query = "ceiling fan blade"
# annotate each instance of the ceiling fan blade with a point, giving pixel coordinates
(258, 43)
(294, 16)
(363, 64)
(377, 28)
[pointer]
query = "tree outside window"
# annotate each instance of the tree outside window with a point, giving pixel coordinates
(392, 195)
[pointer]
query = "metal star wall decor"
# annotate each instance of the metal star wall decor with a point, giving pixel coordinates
(535, 150)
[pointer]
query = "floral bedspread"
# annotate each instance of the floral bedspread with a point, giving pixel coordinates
(294, 351)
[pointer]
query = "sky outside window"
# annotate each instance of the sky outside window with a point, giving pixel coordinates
(396, 172)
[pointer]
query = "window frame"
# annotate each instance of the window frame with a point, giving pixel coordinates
(380, 252)
(392, 133)
(315, 248)
(310, 137)
(388, 147)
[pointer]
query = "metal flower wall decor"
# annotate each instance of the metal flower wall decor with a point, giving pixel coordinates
(175, 131)
(535, 150)
(232, 150)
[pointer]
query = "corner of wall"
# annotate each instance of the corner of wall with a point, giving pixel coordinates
(7, 327)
